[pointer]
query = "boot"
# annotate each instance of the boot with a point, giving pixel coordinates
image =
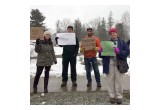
(46, 84)
(112, 100)
(45, 90)
(89, 83)
(63, 84)
(36, 78)
(99, 84)
(34, 90)
(74, 83)
(119, 101)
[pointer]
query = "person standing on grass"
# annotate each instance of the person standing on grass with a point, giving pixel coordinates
(69, 55)
(45, 58)
(90, 58)
(113, 69)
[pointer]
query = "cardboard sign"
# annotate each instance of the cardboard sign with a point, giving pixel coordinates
(108, 48)
(88, 43)
(36, 32)
(66, 38)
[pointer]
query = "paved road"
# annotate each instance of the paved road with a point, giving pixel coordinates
(55, 84)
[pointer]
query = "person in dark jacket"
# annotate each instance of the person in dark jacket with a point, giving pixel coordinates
(69, 55)
(110, 68)
(46, 57)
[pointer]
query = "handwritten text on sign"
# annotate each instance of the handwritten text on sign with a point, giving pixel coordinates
(108, 48)
(66, 38)
(36, 32)
(88, 43)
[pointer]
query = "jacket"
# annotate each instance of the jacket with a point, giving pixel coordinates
(70, 50)
(124, 52)
(92, 53)
(46, 55)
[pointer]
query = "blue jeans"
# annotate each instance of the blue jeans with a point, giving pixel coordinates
(88, 62)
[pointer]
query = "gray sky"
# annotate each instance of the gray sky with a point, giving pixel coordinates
(84, 13)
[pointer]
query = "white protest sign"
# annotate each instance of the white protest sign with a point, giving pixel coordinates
(66, 38)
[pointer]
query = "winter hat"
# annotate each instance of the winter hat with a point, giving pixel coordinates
(70, 27)
(112, 30)
(89, 29)
(47, 32)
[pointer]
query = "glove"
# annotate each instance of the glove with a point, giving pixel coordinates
(100, 49)
(55, 62)
(56, 40)
(37, 41)
(95, 48)
(81, 49)
(116, 50)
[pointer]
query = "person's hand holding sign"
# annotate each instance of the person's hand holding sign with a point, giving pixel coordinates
(38, 41)
(82, 49)
(95, 49)
(56, 39)
(116, 50)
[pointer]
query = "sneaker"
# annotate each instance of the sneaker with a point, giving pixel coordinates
(89, 83)
(74, 83)
(45, 90)
(119, 101)
(112, 100)
(98, 84)
(34, 90)
(63, 84)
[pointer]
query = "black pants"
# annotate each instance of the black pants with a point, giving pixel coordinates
(65, 62)
(38, 74)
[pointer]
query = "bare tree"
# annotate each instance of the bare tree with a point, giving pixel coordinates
(64, 24)
(126, 22)
(58, 28)
(94, 23)
(126, 18)
(61, 26)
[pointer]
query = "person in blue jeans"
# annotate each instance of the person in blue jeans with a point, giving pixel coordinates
(88, 62)
(90, 59)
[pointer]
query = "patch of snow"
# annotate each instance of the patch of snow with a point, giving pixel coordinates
(56, 70)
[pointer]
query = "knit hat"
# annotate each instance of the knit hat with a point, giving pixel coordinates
(112, 30)
(47, 32)
(70, 27)
(89, 29)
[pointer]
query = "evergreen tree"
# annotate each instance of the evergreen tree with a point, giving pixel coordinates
(110, 20)
(78, 29)
(101, 30)
(83, 34)
(37, 18)
(121, 31)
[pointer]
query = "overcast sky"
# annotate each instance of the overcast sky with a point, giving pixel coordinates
(84, 13)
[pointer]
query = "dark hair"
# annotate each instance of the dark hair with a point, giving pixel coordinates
(70, 27)
(89, 29)
(49, 41)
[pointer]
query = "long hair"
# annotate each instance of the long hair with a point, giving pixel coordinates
(48, 41)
